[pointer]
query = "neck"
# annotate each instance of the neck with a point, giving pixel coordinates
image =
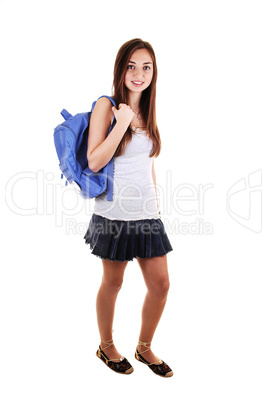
(134, 100)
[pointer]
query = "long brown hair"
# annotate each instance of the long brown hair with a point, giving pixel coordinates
(148, 98)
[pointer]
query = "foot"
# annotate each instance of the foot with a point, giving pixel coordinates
(148, 355)
(111, 352)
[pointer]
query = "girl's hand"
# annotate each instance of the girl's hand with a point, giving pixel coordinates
(124, 114)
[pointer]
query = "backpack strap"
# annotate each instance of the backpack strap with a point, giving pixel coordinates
(64, 113)
(110, 166)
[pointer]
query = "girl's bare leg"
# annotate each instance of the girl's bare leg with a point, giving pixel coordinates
(155, 272)
(113, 272)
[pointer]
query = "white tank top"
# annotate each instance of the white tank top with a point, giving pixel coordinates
(134, 194)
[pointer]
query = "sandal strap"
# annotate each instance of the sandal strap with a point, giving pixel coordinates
(146, 350)
(109, 343)
(110, 360)
(144, 344)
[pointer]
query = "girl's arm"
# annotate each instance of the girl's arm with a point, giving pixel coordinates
(154, 179)
(101, 148)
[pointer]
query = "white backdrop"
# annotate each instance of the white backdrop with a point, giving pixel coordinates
(211, 108)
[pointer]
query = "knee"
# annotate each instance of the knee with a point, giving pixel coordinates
(164, 287)
(160, 288)
(112, 286)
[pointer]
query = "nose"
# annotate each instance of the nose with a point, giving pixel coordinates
(138, 73)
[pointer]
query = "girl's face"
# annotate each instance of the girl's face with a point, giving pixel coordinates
(139, 72)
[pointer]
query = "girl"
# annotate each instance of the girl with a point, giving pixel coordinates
(129, 226)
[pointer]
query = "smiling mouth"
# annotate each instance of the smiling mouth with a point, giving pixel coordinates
(137, 83)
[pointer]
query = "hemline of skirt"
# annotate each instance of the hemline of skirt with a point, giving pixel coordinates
(131, 259)
(125, 240)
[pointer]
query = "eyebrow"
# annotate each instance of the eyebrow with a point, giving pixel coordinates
(133, 62)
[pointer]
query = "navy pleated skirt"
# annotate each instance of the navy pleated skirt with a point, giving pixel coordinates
(118, 240)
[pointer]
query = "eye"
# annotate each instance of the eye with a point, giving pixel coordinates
(130, 67)
(146, 68)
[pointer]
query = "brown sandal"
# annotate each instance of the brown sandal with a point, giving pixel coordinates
(160, 367)
(122, 367)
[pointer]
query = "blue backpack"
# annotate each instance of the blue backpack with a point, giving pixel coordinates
(71, 138)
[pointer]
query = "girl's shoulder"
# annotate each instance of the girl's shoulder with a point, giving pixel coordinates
(103, 107)
(104, 101)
